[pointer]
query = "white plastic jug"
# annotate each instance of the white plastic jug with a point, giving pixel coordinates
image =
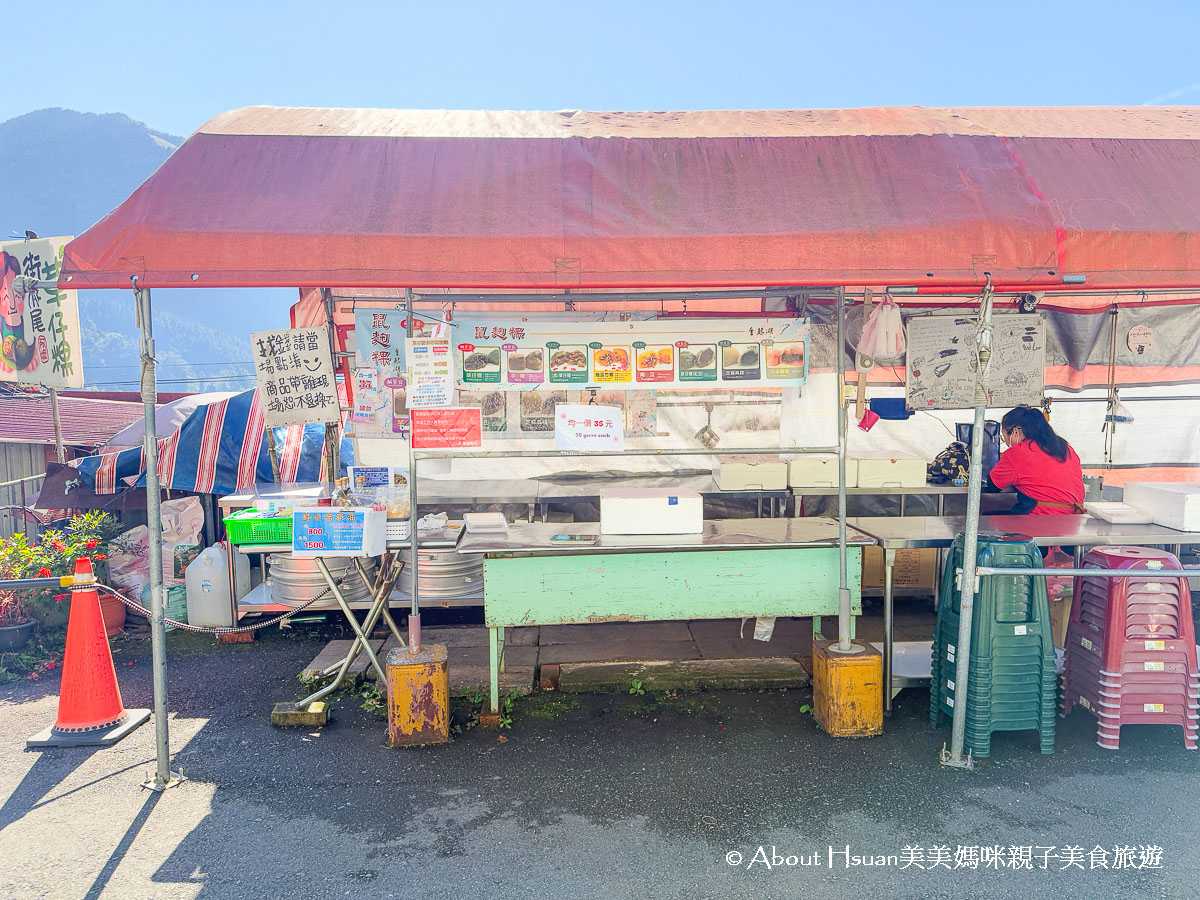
(207, 581)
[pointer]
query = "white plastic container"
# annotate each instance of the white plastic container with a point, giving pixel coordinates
(650, 511)
(750, 473)
(207, 580)
(1173, 504)
(891, 471)
(820, 470)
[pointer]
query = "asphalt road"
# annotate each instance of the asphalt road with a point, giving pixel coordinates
(600, 796)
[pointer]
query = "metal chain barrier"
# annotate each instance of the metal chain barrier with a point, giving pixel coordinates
(203, 629)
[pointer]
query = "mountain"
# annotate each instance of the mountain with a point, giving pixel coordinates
(62, 171)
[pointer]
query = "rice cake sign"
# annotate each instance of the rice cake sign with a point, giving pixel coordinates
(295, 376)
(39, 325)
(517, 354)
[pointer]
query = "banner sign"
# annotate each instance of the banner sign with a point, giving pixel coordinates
(521, 354)
(295, 376)
(39, 326)
(460, 426)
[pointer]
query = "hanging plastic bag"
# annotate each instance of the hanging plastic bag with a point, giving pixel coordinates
(883, 333)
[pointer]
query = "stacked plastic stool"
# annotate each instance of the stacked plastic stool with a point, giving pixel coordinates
(1131, 645)
(1011, 683)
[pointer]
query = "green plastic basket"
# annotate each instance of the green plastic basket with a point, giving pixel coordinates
(249, 526)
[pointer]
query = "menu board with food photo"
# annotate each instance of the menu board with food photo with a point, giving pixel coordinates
(494, 405)
(568, 363)
(537, 410)
(517, 353)
(609, 363)
(655, 362)
(785, 360)
(524, 366)
(740, 362)
(698, 362)
(480, 364)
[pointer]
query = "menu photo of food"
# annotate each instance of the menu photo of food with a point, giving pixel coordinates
(494, 405)
(480, 364)
(740, 362)
(785, 360)
(610, 364)
(698, 362)
(526, 366)
(537, 410)
(568, 363)
(655, 363)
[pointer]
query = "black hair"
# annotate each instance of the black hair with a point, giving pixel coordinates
(1035, 427)
(8, 261)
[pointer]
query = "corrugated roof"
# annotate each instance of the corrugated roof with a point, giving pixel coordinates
(25, 419)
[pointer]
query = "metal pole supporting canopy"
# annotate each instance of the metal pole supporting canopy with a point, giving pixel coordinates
(983, 355)
(163, 776)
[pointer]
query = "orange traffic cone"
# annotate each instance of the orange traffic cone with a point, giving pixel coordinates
(89, 702)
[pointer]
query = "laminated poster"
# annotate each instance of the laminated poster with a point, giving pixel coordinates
(588, 428)
(39, 326)
(518, 354)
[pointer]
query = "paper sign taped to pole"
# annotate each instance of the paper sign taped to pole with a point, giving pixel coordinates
(295, 376)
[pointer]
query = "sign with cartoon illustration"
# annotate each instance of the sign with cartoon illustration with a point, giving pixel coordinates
(39, 325)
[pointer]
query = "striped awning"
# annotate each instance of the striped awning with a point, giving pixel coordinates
(220, 448)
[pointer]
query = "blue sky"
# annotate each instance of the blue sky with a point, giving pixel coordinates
(173, 65)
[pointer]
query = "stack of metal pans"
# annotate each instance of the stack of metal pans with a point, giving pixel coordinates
(444, 575)
(295, 580)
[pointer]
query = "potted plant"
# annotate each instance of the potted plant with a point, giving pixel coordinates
(55, 554)
(16, 625)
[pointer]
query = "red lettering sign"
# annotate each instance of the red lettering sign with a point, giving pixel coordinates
(445, 428)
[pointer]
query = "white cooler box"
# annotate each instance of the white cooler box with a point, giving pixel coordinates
(1173, 504)
(820, 470)
(650, 511)
(892, 471)
(750, 473)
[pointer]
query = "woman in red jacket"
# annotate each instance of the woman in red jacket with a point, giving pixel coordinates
(1039, 465)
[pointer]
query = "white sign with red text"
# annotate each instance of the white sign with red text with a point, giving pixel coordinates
(588, 429)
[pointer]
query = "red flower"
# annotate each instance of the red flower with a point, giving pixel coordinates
(99, 556)
(59, 546)
(59, 598)
(92, 545)
(43, 573)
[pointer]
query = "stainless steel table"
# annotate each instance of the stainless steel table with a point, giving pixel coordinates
(941, 491)
(552, 490)
(919, 532)
(754, 567)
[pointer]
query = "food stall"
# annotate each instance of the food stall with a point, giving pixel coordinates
(576, 213)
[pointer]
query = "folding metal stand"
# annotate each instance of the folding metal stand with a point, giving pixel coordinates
(381, 591)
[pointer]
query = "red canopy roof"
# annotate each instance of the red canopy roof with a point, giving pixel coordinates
(371, 198)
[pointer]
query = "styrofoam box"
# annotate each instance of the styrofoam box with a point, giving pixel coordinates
(750, 473)
(891, 471)
(820, 470)
(1173, 504)
(650, 511)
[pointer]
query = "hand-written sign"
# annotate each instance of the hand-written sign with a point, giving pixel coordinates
(580, 429)
(295, 376)
(39, 325)
(459, 426)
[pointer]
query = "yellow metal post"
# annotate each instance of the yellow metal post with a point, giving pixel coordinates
(847, 694)
(418, 694)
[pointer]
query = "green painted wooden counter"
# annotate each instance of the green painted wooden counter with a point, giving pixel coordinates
(737, 568)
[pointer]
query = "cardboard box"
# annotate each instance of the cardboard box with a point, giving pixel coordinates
(1172, 504)
(892, 471)
(913, 568)
(1060, 616)
(750, 473)
(650, 511)
(815, 470)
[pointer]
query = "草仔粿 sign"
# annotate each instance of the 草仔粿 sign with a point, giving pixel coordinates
(295, 376)
(39, 325)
